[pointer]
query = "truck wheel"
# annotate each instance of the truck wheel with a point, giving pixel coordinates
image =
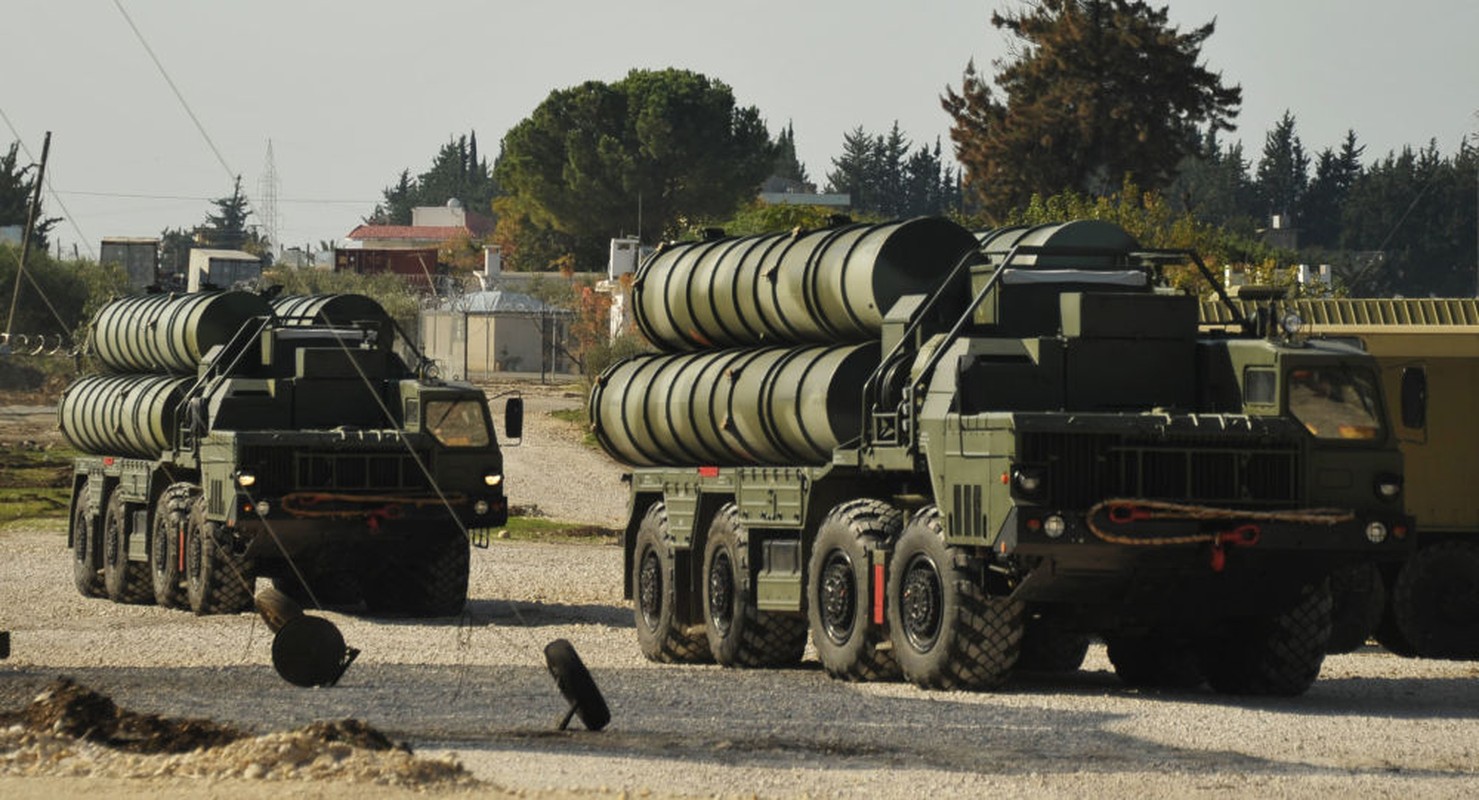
(740, 634)
(1278, 654)
(1388, 633)
(1437, 601)
(1049, 647)
(1155, 660)
(947, 631)
(436, 579)
(838, 580)
(216, 582)
(86, 546)
(171, 520)
(662, 637)
(1358, 598)
(125, 581)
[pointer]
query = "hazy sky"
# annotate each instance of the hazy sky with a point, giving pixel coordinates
(350, 93)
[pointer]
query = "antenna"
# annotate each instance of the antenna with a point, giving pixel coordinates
(267, 197)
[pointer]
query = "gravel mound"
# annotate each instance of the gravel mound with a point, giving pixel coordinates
(70, 730)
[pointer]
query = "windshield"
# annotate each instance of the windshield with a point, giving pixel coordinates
(457, 423)
(1335, 402)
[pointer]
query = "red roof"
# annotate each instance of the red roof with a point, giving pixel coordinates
(430, 233)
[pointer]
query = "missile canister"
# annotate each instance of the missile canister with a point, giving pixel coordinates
(335, 309)
(125, 415)
(169, 332)
(772, 405)
(826, 286)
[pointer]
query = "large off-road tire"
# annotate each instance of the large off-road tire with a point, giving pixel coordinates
(124, 581)
(1048, 646)
(740, 634)
(435, 580)
(660, 634)
(1436, 602)
(1276, 654)
(576, 684)
(171, 521)
(1358, 599)
(87, 545)
(948, 632)
(1154, 661)
(216, 582)
(1388, 633)
(838, 577)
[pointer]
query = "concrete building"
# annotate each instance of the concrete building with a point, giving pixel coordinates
(477, 335)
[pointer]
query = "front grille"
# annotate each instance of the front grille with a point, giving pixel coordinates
(1085, 468)
(286, 469)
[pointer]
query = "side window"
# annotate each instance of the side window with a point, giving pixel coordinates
(1414, 397)
(1259, 386)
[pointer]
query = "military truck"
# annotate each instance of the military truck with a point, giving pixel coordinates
(1428, 354)
(229, 437)
(951, 457)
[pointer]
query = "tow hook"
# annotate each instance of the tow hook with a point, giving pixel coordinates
(1241, 536)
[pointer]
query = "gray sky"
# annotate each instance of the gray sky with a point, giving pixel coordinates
(350, 93)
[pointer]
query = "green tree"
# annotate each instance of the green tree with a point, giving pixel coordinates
(457, 171)
(855, 172)
(1213, 185)
(1325, 198)
(649, 152)
(1283, 172)
(226, 228)
(1097, 90)
(16, 187)
(786, 164)
(883, 178)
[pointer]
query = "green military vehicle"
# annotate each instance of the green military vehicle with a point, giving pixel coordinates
(1428, 353)
(230, 436)
(949, 458)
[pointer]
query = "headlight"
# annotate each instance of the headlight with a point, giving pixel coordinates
(263, 508)
(1028, 480)
(1054, 526)
(1291, 323)
(1388, 487)
(493, 479)
(480, 507)
(1376, 533)
(245, 479)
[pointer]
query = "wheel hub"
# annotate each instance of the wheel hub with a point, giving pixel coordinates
(838, 601)
(721, 593)
(649, 589)
(922, 600)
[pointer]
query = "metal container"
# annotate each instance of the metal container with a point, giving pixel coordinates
(342, 310)
(825, 286)
(773, 405)
(169, 332)
(122, 415)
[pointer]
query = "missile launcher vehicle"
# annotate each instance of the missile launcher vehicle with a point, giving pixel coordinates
(951, 456)
(231, 437)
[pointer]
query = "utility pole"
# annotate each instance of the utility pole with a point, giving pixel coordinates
(26, 234)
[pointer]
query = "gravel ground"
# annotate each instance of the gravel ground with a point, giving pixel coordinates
(474, 692)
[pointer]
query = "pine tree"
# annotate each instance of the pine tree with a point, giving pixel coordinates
(1283, 172)
(226, 228)
(787, 165)
(1325, 199)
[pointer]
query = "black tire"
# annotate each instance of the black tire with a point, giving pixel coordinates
(947, 631)
(1049, 647)
(576, 684)
(1358, 599)
(740, 634)
(660, 634)
(1278, 654)
(87, 562)
(1388, 633)
(838, 580)
(216, 582)
(1436, 603)
(435, 580)
(167, 544)
(124, 581)
(1154, 661)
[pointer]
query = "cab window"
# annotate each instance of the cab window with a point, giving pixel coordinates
(457, 423)
(1336, 402)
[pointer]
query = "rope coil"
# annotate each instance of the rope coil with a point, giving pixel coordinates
(1125, 510)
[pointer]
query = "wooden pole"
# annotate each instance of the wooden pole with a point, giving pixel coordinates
(26, 234)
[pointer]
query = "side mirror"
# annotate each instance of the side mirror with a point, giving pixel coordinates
(513, 418)
(1414, 397)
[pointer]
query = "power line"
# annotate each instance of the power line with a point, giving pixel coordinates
(51, 190)
(142, 196)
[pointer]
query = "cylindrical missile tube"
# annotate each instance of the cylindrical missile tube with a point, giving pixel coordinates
(169, 332)
(122, 415)
(824, 286)
(771, 405)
